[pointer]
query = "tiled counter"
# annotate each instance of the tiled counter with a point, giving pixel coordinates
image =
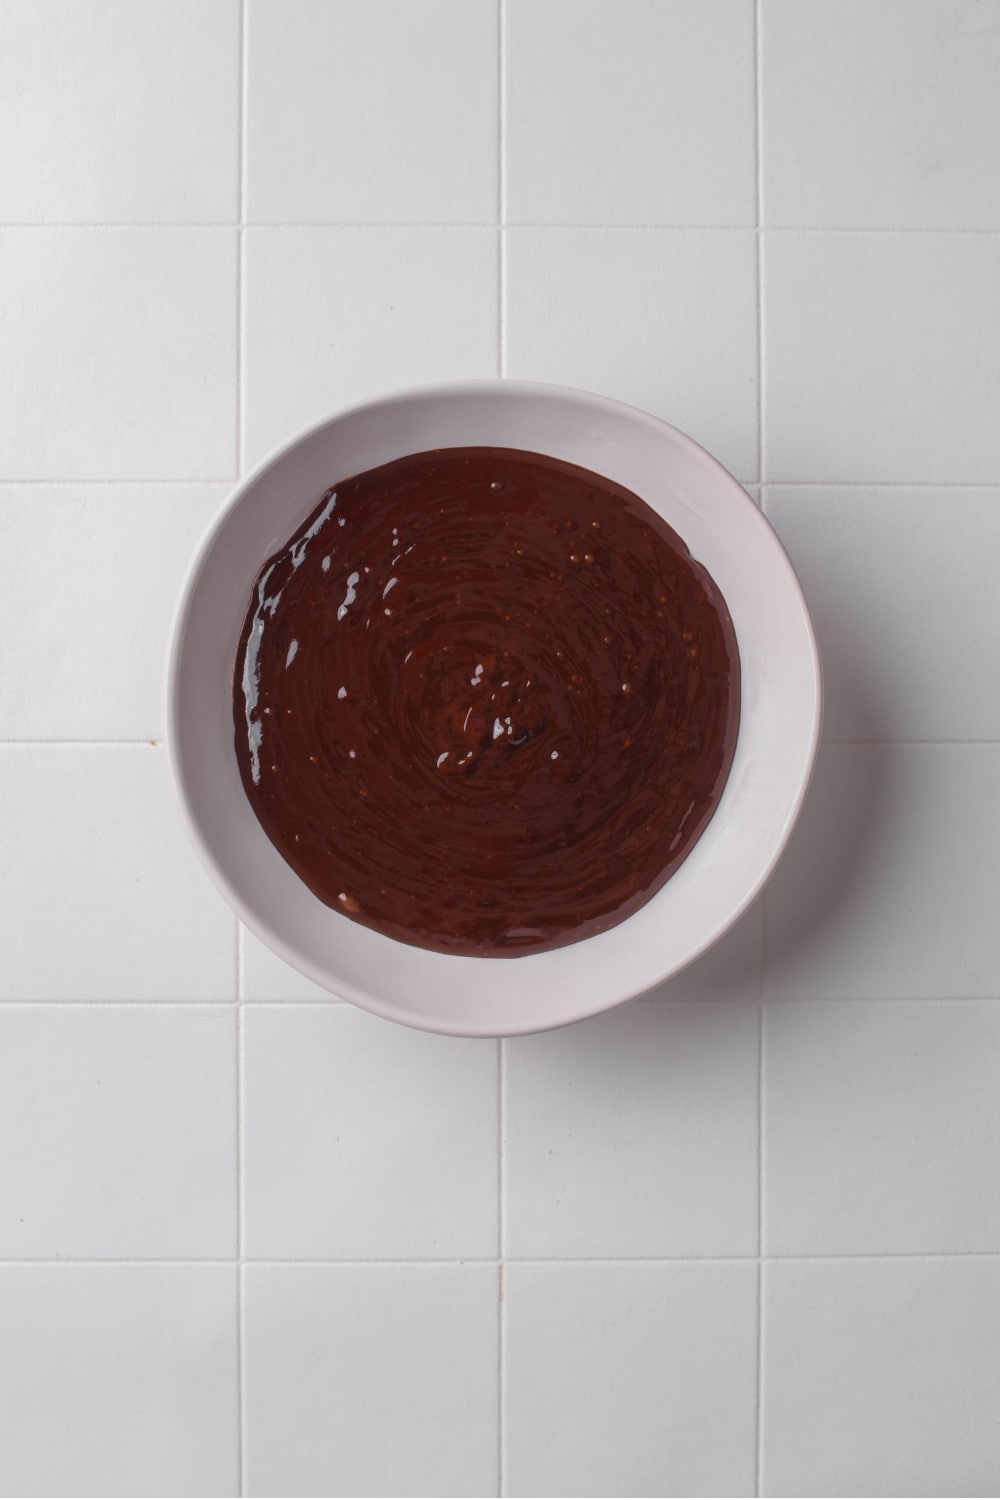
(742, 1236)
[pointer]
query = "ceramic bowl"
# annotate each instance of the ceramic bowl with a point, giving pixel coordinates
(728, 866)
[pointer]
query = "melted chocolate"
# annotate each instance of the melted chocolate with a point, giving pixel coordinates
(485, 701)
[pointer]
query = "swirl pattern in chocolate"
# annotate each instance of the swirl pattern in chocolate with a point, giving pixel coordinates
(485, 701)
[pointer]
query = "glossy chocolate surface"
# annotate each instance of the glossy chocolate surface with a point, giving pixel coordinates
(485, 701)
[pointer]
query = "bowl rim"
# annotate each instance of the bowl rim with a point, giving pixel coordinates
(367, 999)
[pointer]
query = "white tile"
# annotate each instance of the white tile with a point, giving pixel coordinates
(882, 1127)
(662, 318)
(268, 977)
(121, 1131)
(365, 1140)
(631, 1380)
(113, 587)
(901, 585)
(630, 112)
(881, 113)
(118, 1380)
(371, 1380)
(635, 1134)
(888, 887)
(120, 353)
(730, 970)
(119, 111)
(373, 111)
(338, 315)
(104, 898)
(881, 358)
(881, 1377)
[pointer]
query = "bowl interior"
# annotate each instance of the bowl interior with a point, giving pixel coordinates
(730, 862)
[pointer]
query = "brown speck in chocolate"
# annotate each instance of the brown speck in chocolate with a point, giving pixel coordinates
(530, 746)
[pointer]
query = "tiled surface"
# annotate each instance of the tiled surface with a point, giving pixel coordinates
(882, 1134)
(635, 1135)
(380, 80)
(265, 976)
(102, 895)
(587, 81)
(119, 111)
(881, 1377)
(371, 1380)
(366, 1140)
(887, 889)
(119, 1123)
(881, 357)
(631, 1379)
(118, 1379)
(95, 540)
(119, 353)
(662, 318)
(774, 222)
(337, 315)
(903, 595)
(843, 145)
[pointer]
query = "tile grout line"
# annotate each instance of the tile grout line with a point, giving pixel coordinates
(241, 166)
(761, 1198)
(501, 1265)
(226, 1262)
(75, 744)
(761, 1240)
(883, 744)
(879, 484)
(759, 1475)
(241, 266)
(501, 188)
(762, 471)
(759, 241)
(501, 1055)
(241, 1425)
(350, 225)
(152, 483)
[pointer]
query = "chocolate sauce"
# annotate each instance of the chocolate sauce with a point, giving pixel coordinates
(485, 701)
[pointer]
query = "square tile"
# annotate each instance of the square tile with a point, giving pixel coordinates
(631, 1380)
(630, 112)
(887, 889)
(730, 970)
(338, 315)
(120, 1123)
(95, 540)
(104, 897)
(860, 124)
(268, 977)
(120, 352)
(635, 1134)
(901, 585)
(119, 1380)
(365, 1140)
(664, 319)
(371, 1380)
(119, 111)
(882, 1127)
(376, 111)
(881, 1377)
(881, 358)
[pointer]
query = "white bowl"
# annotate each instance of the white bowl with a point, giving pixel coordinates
(728, 866)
